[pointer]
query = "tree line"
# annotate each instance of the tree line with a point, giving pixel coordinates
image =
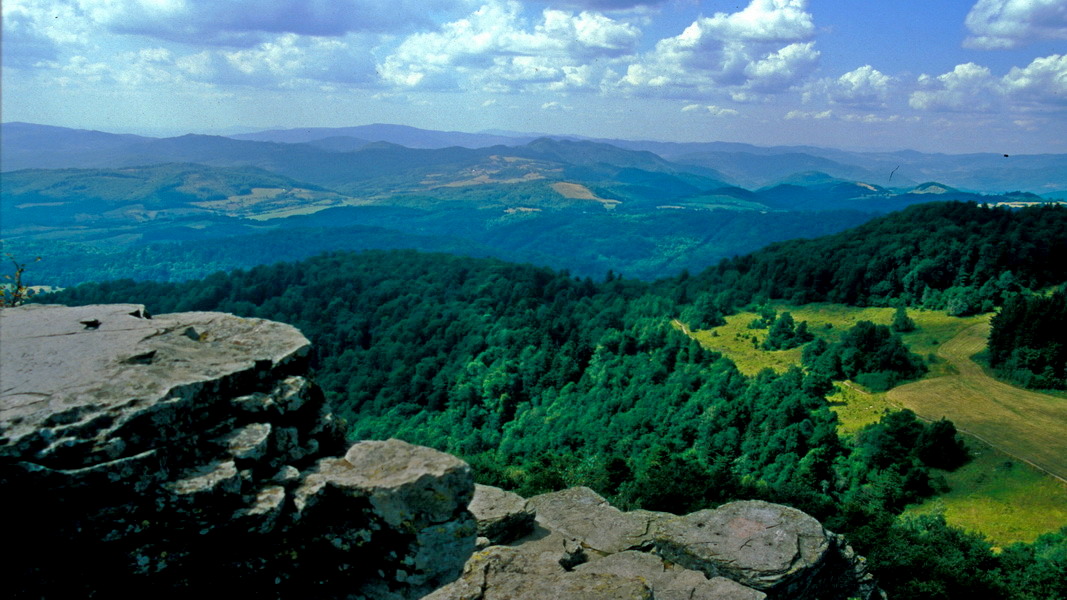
(543, 380)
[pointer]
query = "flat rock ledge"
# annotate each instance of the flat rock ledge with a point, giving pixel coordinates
(188, 453)
(580, 546)
(182, 453)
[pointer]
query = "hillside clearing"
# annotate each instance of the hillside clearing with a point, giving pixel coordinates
(1000, 497)
(1025, 424)
(576, 191)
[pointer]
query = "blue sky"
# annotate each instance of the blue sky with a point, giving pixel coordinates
(933, 75)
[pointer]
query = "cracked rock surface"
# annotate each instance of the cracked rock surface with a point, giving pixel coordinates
(580, 546)
(183, 453)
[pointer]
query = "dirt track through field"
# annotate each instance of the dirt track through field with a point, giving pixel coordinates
(1027, 425)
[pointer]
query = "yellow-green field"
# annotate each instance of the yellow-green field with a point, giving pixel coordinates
(856, 408)
(1005, 503)
(829, 321)
(1003, 498)
(1026, 424)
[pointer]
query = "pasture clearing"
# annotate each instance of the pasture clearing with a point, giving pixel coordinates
(1027, 425)
(1000, 497)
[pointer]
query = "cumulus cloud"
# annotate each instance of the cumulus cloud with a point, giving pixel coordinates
(555, 107)
(800, 114)
(967, 87)
(23, 44)
(862, 87)
(285, 61)
(289, 61)
(999, 24)
(606, 5)
(764, 48)
(493, 49)
(717, 111)
(245, 22)
(38, 30)
(1043, 81)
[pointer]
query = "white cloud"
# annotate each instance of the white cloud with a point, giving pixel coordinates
(972, 88)
(607, 5)
(37, 30)
(764, 48)
(862, 87)
(968, 87)
(1043, 81)
(717, 111)
(493, 49)
(249, 22)
(782, 69)
(871, 118)
(555, 106)
(287, 61)
(800, 114)
(999, 24)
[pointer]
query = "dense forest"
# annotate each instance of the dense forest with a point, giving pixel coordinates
(1028, 341)
(960, 257)
(642, 243)
(543, 380)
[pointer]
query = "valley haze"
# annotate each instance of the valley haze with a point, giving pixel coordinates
(935, 75)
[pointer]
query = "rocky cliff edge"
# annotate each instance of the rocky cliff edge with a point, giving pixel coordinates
(188, 453)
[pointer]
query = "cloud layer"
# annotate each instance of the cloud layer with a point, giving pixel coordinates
(704, 63)
(494, 49)
(765, 48)
(1001, 24)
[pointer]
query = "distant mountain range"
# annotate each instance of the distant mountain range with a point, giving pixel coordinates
(101, 203)
(296, 152)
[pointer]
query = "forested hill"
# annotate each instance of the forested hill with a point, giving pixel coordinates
(543, 380)
(962, 257)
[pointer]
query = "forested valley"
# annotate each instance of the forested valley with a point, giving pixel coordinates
(543, 380)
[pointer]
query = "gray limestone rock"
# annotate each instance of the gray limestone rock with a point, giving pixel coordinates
(416, 503)
(581, 514)
(502, 516)
(670, 582)
(502, 573)
(188, 453)
(769, 547)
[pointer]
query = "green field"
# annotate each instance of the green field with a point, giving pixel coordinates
(1027, 425)
(829, 321)
(1002, 497)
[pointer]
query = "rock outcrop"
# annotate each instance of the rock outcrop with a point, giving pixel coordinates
(187, 452)
(580, 544)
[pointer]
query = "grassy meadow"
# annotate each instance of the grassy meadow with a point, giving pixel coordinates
(998, 495)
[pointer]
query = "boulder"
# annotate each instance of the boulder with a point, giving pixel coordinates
(502, 516)
(768, 547)
(579, 513)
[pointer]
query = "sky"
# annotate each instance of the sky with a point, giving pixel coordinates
(949, 76)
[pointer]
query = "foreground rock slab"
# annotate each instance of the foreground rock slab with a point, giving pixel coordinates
(761, 545)
(187, 453)
(582, 547)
